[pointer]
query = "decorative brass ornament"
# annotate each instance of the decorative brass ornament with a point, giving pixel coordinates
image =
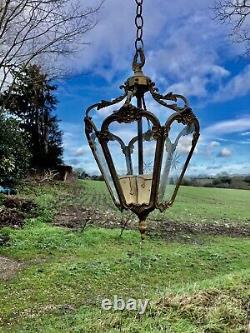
(132, 186)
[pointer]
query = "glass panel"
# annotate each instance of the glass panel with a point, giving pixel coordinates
(136, 189)
(103, 166)
(176, 150)
(136, 186)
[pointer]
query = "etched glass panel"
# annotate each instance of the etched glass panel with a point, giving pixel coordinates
(177, 147)
(103, 166)
(135, 181)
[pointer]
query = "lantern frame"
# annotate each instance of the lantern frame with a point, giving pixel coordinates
(137, 86)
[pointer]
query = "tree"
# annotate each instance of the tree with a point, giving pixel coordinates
(31, 29)
(225, 178)
(81, 173)
(31, 100)
(247, 179)
(14, 155)
(237, 14)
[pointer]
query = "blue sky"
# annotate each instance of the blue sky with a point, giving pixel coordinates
(187, 52)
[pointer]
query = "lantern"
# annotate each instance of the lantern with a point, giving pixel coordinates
(142, 157)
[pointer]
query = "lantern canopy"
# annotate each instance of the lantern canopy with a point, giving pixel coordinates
(142, 158)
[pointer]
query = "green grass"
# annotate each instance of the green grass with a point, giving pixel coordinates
(193, 204)
(195, 288)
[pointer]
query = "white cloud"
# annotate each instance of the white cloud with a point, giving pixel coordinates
(183, 50)
(72, 135)
(214, 144)
(238, 86)
(185, 145)
(225, 152)
(80, 152)
(197, 83)
(214, 169)
(183, 46)
(195, 86)
(210, 147)
(245, 134)
(75, 146)
(228, 127)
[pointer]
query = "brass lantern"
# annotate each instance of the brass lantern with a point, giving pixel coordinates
(142, 159)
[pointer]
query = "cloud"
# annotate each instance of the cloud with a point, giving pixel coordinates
(74, 144)
(74, 161)
(197, 84)
(238, 86)
(214, 144)
(228, 127)
(183, 51)
(215, 169)
(211, 147)
(79, 152)
(237, 142)
(185, 145)
(182, 47)
(245, 133)
(189, 57)
(225, 152)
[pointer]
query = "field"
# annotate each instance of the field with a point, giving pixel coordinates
(192, 205)
(61, 264)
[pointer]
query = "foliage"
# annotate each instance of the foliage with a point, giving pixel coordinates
(31, 100)
(14, 155)
(247, 179)
(221, 181)
(81, 173)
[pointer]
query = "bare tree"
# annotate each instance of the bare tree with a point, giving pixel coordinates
(31, 30)
(237, 14)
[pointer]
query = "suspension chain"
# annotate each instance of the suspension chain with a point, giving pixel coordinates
(139, 25)
(139, 45)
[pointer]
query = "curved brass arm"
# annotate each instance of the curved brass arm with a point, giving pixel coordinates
(104, 104)
(169, 97)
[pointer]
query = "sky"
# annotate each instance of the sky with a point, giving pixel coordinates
(187, 52)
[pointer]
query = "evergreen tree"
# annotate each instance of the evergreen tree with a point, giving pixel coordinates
(14, 155)
(31, 100)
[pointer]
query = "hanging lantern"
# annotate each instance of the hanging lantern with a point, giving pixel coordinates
(142, 158)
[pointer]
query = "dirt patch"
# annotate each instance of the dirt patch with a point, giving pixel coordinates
(23, 205)
(9, 267)
(15, 210)
(78, 218)
(11, 218)
(225, 229)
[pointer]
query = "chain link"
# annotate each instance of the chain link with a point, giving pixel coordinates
(139, 58)
(139, 25)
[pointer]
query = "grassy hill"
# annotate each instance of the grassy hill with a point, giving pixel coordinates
(60, 275)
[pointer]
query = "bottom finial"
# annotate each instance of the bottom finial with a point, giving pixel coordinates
(142, 228)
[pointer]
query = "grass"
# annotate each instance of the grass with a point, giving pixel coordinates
(193, 204)
(196, 287)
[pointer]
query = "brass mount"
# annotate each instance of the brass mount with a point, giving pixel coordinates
(139, 83)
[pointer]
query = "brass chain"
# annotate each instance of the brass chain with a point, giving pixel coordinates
(139, 45)
(139, 25)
